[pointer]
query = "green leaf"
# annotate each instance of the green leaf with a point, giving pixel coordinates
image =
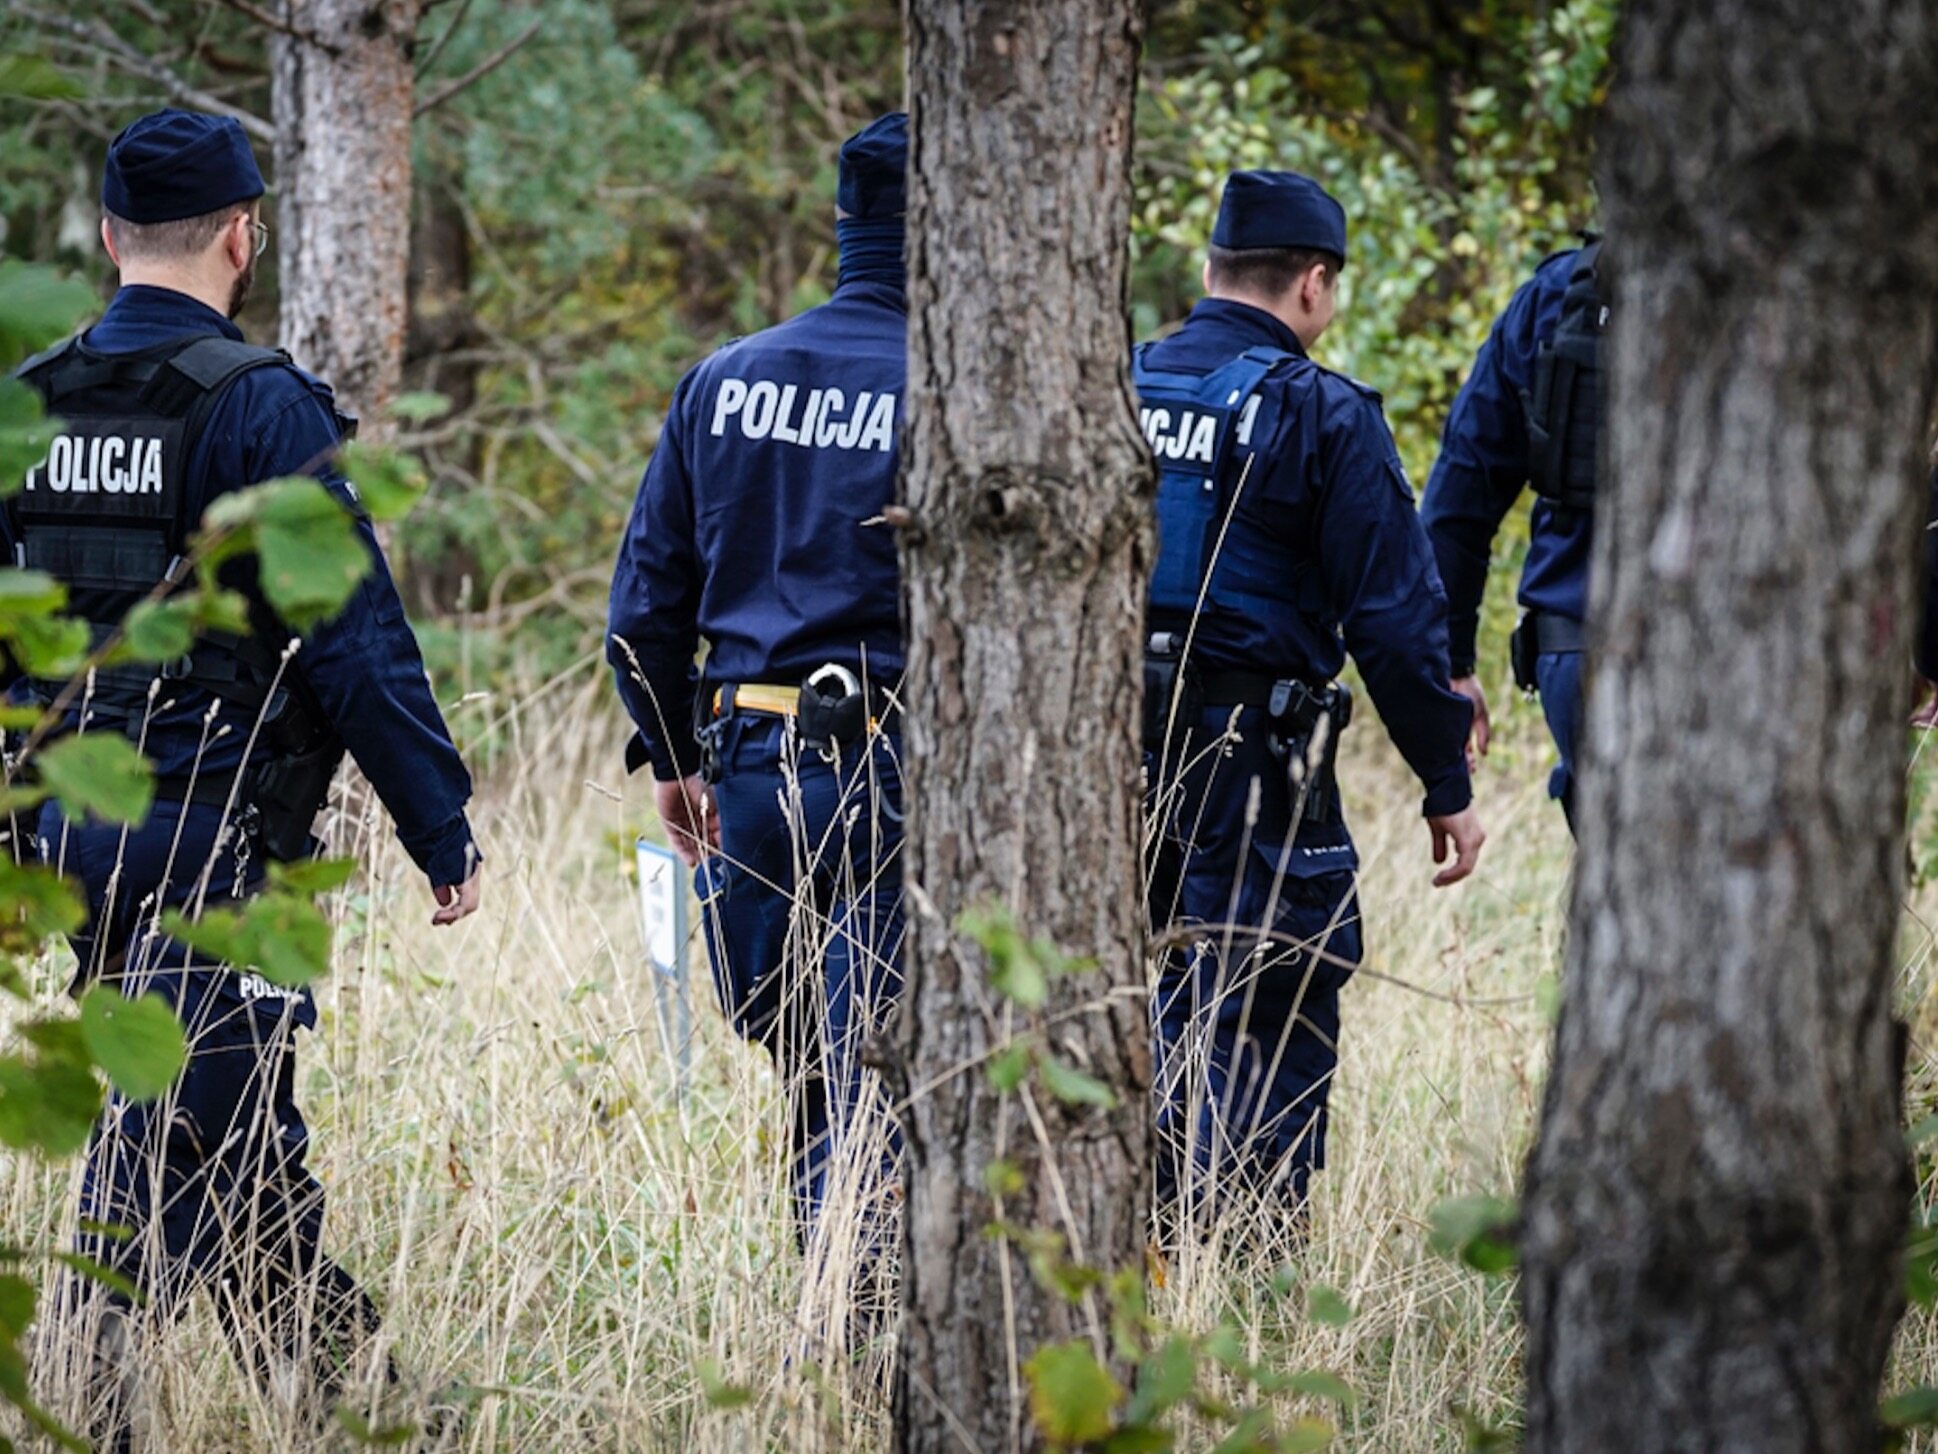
(47, 1106)
(1922, 1132)
(1320, 1384)
(314, 875)
(1073, 1086)
(1008, 1066)
(282, 935)
(16, 1304)
(387, 483)
(138, 1042)
(719, 1393)
(54, 647)
(100, 1272)
(1003, 1178)
(25, 434)
(35, 904)
(306, 544)
(98, 773)
(1072, 1396)
(370, 1436)
(156, 631)
(1324, 1305)
(420, 407)
(1165, 1379)
(25, 593)
(1915, 1408)
(35, 78)
(38, 306)
(1478, 1231)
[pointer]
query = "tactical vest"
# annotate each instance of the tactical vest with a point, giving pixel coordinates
(107, 512)
(1199, 427)
(1564, 404)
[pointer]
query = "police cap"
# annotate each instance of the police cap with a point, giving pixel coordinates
(874, 168)
(175, 164)
(1279, 209)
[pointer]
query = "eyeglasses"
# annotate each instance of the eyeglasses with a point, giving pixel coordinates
(261, 229)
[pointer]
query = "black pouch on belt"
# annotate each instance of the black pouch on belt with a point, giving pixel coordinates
(290, 788)
(1522, 649)
(833, 710)
(1173, 692)
(1305, 737)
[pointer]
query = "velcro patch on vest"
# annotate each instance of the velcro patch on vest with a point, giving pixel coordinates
(807, 416)
(122, 467)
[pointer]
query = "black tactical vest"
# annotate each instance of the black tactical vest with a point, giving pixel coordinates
(1564, 405)
(108, 511)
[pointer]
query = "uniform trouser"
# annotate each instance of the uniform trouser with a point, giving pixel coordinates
(1558, 678)
(205, 1187)
(804, 912)
(1261, 930)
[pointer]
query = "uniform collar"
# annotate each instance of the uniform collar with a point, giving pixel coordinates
(1244, 324)
(154, 315)
(874, 290)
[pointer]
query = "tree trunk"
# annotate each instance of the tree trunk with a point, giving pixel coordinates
(1716, 1207)
(343, 96)
(1026, 561)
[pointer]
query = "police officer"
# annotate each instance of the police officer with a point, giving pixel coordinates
(165, 407)
(1529, 413)
(1287, 538)
(757, 530)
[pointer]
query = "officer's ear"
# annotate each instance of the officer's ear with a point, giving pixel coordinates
(107, 241)
(239, 239)
(1204, 278)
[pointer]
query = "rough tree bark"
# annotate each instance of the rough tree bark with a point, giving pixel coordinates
(343, 95)
(1715, 1209)
(1026, 558)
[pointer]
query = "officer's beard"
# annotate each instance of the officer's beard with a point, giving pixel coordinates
(239, 290)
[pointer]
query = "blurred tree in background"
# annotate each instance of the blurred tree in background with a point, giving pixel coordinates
(601, 199)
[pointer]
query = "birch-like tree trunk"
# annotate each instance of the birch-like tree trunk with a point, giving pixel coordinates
(1026, 559)
(343, 96)
(1716, 1208)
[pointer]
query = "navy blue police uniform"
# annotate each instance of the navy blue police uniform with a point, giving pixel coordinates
(758, 531)
(1486, 459)
(1287, 538)
(165, 408)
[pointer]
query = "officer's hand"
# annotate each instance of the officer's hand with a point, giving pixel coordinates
(692, 827)
(1469, 687)
(1462, 832)
(1927, 714)
(456, 903)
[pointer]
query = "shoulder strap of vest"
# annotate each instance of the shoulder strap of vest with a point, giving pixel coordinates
(1231, 384)
(200, 370)
(1588, 268)
(45, 359)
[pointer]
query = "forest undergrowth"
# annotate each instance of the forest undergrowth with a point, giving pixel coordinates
(597, 1258)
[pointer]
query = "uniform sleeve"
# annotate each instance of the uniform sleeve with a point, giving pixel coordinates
(1481, 470)
(366, 671)
(1380, 578)
(652, 632)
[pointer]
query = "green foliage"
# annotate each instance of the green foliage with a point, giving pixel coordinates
(1073, 1397)
(1325, 1305)
(281, 934)
(100, 775)
(305, 542)
(1478, 1231)
(137, 1041)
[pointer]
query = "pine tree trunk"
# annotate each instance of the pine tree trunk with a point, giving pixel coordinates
(343, 94)
(1716, 1207)
(1026, 561)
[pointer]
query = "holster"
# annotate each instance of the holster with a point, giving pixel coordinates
(1523, 647)
(290, 788)
(1173, 693)
(1309, 756)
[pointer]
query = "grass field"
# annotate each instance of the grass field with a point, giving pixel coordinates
(547, 1223)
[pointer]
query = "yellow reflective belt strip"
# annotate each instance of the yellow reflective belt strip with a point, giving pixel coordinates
(777, 701)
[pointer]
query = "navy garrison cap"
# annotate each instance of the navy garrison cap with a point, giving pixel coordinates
(1279, 209)
(874, 167)
(177, 164)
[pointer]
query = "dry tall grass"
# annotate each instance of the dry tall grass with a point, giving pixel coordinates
(545, 1221)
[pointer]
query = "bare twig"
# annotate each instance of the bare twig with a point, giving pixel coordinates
(443, 39)
(277, 23)
(98, 36)
(482, 69)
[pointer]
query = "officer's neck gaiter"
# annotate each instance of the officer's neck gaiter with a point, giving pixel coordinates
(871, 250)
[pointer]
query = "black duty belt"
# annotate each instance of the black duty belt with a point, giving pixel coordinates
(1557, 635)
